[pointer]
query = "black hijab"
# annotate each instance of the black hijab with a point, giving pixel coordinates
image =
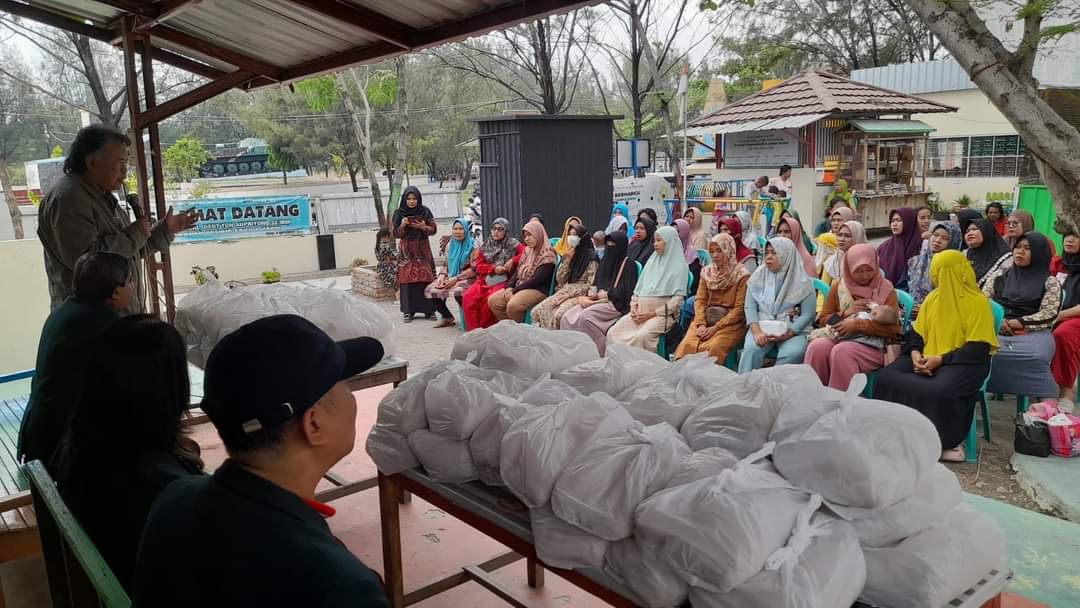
(992, 249)
(1071, 289)
(1020, 290)
(649, 211)
(618, 294)
(584, 253)
(404, 211)
(641, 250)
(966, 217)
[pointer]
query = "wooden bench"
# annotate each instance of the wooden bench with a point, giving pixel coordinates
(78, 575)
(18, 527)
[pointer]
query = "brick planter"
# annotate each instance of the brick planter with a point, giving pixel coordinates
(366, 282)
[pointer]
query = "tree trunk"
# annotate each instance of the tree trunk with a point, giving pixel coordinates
(105, 112)
(12, 204)
(402, 103)
(1053, 142)
(669, 123)
(466, 174)
(285, 177)
(352, 178)
(362, 131)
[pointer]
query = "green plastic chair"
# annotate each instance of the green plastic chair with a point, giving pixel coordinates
(77, 574)
(704, 257)
(554, 240)
(971, 445)
(661, 346)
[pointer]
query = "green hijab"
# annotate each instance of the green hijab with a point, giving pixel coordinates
(665, 274)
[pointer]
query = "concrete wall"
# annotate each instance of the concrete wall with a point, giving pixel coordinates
(976, 116)
(24, 305)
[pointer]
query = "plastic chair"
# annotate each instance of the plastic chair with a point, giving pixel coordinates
(661, 346)
(762, 242)
(704, 257)
(554, 240)
(971, 445)
(821, 286)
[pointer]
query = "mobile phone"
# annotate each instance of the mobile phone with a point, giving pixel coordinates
(834, 319)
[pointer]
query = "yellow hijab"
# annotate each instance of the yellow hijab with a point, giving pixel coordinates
(955, 312)
(563, 247)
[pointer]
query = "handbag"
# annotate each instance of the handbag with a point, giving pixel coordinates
(713, 314)
(1032, 439)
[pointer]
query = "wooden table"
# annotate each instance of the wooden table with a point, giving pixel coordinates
(500, 516)
(391, 370)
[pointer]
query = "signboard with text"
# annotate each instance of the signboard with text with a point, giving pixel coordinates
(223, 219)
(760, 149)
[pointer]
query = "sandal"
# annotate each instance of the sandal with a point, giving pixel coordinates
(954, 455)
(446, 322)
(407, 318)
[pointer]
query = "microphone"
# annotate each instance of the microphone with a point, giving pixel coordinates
(133, 202)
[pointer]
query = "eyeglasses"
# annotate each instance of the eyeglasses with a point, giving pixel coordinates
(498, 229)
(1012, 223)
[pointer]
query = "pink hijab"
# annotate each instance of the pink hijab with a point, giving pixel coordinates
(535, 257)
(879, 289)
(800, 246)
(689, 251)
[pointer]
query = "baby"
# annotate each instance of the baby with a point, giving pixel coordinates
(882, 315)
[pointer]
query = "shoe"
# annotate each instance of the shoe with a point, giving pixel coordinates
(407, 318)
(954, 455)
(447, 322)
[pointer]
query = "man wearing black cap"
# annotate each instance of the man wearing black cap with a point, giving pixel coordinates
(252, 534)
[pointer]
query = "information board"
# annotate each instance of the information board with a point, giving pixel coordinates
(243, 217)
(760, 149)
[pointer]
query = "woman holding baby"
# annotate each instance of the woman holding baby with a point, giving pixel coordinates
(860, 316)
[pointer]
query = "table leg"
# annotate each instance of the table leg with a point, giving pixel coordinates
(405, 498)
(536, 573)
(389, 493)
(996, 602)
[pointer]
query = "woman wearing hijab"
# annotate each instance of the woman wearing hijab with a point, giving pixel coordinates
(494, 262)
(386, 258)
(458, 274)
(947, 357)
(924, 215)
(658, 296)
(620, 218)
(860, 289)
(641, 243)
(1066, 363)
(943, 235)
(530, 281)
(779, 291)
(600, 308)
(827, 241)
(562, 247)
(1032, 299)
(749, 234)
(792, 230)
(413, 224)
(743, 254)
(965, 216)
(805, 238)
(849, 233)
(573, 278)
(904, 244)
(693, 263)
(987, 251)
(995, 214)
(650, 213)
(720, 305)
(698, 238)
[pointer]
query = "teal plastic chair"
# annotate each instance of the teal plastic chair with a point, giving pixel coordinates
(703, 257)
(554, 240)
(821, 286)
(661, 346)
(971, 445)
(762, 242)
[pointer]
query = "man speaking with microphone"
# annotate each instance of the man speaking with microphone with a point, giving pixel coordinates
(80, 214)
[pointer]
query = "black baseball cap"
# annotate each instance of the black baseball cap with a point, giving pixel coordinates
(274, 369)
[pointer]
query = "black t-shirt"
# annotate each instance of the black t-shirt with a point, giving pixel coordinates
(236, 540)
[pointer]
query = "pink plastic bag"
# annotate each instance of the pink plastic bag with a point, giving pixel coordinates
(1064, 435)
(1044, 410)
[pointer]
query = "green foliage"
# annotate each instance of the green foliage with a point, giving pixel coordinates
(201, 274)
(203, 189)
(34, 197)
(320, 94)
(131, 182)
(963, 200)
(281, 158)
(271, 276)
(183, 158)
(57, 152)
(382, 89)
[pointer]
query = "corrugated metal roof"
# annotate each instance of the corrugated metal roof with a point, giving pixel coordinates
(283, 40)
(816, 92)
(891, 126)
(787, 122)
(915, 78)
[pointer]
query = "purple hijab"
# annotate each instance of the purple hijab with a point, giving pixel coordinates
(895, 252)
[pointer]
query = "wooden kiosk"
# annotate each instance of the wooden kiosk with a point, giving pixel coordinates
(881, 160)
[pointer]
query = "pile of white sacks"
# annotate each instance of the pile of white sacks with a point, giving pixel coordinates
(685, 481)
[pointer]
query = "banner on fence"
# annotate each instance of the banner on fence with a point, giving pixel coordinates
(242, 217)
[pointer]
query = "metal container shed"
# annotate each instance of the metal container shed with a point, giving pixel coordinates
(556, 166)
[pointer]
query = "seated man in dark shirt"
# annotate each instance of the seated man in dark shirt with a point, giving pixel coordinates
(102, 287)
(252, 534)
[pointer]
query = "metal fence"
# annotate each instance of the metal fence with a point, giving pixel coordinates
(345, 212)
